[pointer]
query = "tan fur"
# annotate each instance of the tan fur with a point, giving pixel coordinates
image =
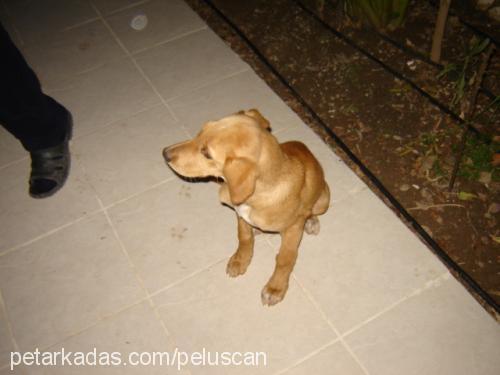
(274, 187)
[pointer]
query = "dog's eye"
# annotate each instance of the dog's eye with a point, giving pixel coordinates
(205, 153)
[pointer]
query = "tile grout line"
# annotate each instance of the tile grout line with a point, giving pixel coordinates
(79, 24)
(332, 326)
(84, 216)
(207, 84)
(131, 55)
(99, 320)
(339, 338)
(3, 307)
(126, 7)
(134, 269)
(308, 356)
(127, 307)
(428, 285)
(109, 124)
(10, 163)
(135, 195)
(172, 39)
(50, 232)
(187, 277)
(134, 61)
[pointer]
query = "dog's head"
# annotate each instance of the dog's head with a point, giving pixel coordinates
(228, 148)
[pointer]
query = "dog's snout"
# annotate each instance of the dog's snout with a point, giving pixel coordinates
(167, 154)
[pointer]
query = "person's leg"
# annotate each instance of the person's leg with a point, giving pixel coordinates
(41, 124)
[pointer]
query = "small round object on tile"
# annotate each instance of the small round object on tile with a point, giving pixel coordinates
(139, 22)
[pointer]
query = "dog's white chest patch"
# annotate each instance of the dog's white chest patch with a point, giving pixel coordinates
(243, 211)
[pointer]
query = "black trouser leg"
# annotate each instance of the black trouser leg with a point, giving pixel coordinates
(34, 118)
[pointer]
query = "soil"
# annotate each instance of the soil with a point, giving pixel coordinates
(380, 94)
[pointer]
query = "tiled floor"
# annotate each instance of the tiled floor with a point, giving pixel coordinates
(127, 257)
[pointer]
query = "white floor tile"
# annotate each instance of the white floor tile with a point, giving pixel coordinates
(37, 21)
(110, 6)
(136, 330)
(242, 91)
(219, 313)
(126, 157)
(16, 371)
(333, 360)
(180, 66)
(109, 93)
(6, 343)
(174, 230)
(66, 282)
(441, 331)
(24, 218)
(10, 148)
(165, 20)
(71, 52)
(354, 268)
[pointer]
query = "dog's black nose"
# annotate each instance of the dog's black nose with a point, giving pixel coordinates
(166, 155)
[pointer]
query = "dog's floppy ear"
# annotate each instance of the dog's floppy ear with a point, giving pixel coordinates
(240, 175)
(263, 122)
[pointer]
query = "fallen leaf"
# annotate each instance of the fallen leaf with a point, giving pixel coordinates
(495, 238)
(464, 196)
(427, 162)
(485, 178)
(494, 208)
(496, 160)
(404, 187)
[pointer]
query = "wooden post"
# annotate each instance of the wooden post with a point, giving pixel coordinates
(437, 39)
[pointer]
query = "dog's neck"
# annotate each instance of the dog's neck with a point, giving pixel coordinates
(272, 161)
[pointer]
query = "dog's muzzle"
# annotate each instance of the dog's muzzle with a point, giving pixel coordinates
(167, 155)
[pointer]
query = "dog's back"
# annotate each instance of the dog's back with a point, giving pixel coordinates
(314, 180)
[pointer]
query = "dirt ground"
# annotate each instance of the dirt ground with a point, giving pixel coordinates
(380, 95)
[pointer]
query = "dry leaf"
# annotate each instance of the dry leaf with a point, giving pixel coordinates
(427, 162)
(404, 187)
(494, 208)
(485, 178)
(495, 238)
(495, 161)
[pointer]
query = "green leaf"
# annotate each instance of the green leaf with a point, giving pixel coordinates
(447, 69)
(464, 196)
(495, 238)
(479, 47)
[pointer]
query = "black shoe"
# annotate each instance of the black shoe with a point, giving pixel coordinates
(50, 166)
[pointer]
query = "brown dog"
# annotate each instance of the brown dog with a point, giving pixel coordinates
(274, 187)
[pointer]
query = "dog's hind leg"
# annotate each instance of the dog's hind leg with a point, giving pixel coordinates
(312, 225)
(323, 202)
(320, 207)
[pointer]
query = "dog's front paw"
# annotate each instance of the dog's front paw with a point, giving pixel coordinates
(312, 225)
(272, 295)
(236, 266)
